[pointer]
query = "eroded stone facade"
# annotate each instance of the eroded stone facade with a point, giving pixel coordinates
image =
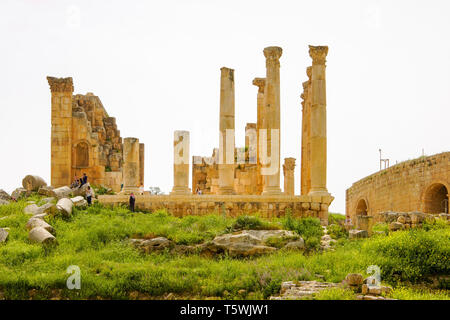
(416, 185)
(84, 139)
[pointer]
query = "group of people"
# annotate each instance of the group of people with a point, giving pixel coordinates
(78, 183)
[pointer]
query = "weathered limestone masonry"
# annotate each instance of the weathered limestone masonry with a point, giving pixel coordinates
(231, 205)
(84, 138)
(306, 135)
(131, 169)
(318, 135)
(271, 104)
(416, 185)
(141, 163)
(61, 134)
(288, 171)
(226, 143)
(181, 163)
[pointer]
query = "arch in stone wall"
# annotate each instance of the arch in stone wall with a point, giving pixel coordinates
(362, 207)
(435, 198)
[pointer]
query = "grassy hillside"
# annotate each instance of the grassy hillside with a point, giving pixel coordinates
(95, 240)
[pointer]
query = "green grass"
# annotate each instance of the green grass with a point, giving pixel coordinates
(95, 240)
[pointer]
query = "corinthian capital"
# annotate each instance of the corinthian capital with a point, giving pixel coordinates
(318, 54)
(260, 83)
(289, 164)
(60, 84)
(273, 55)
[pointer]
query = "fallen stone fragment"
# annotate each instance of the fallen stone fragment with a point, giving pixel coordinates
(357, 234)
(40, 235)
(3, 202)
(31, 209)
(3, 235)
(33, 183)
(46, 191)
(394, 226)
(62, 192)
(35, 222)
(64, 206)
(4, 195)
(295, 245)
(19, 193)
(291, 290)
(79, 201)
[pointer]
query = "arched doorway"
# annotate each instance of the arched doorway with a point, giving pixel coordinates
(435, 199)
(362, 208)
(82, 155)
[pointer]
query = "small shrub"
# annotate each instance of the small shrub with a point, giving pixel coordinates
(337, 232)
(251, 223)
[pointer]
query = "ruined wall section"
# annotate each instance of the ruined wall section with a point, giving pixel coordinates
(406, 187)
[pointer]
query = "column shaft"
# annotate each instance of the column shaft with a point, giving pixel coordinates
(226, 127)
(141, 163)
(130, 166)
(318, 122)
(288, 171)
(271, 171)
(260, 116)
(181, 163)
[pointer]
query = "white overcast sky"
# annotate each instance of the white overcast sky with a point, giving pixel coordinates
(156, 67)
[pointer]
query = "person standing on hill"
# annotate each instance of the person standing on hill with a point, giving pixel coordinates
(89, 195)
(132, 201)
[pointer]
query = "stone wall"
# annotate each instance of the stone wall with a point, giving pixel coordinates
(421, 184)
(85, 139)
(231, 205)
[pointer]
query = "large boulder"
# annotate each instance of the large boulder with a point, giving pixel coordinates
(64, 206)
(79, 201)
(62, 192)
(3, 235)
(394, 226)
(4, 195)
(40, 235)
(19, 193)
(33, 183)
(35, 222)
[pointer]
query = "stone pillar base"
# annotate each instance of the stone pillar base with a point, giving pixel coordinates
(180, 190)
(319, 193)
(272, 190)
(225, 190)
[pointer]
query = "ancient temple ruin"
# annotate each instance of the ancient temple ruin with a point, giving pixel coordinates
(85, 139)
(236, 181)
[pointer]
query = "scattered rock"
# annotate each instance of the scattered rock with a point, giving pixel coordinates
(32, 209)
(3, 202)
(291, 290)
(46, 191)
(3, 235)
(64, 206)
(79, 201)
(4, 195)
(33, 183)
(357, 234)
(81, 191)
(151, 245)
(40, 235)
(394, 226)
(35, 222)
(401, 219)
(19, 193)
(62, 192)
(295, 245)
(354, 279)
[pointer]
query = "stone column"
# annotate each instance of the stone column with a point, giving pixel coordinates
(318, 122)
(61, 133)
(306, 135)
(130, 168)
(181, 163)
(226, 143)
(141, 163)
(364, 223)
(260, 83)
(271, 171)
(288, 171)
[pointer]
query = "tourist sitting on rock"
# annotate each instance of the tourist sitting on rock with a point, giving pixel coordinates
(83, 180)
(132, 201)
(89, 195)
